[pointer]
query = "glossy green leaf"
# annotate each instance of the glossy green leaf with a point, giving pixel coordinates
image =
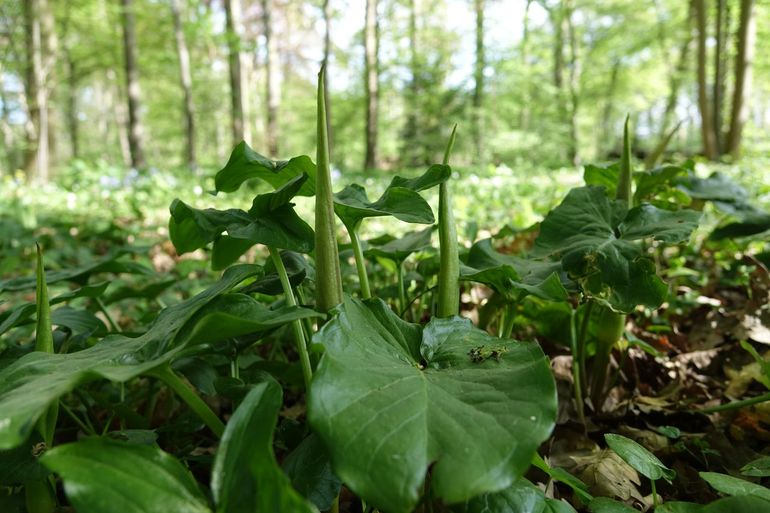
(297, 269)
(561, 475)
(653, 181)
(246, 476)
(111, 263)
(679, 507)
(730, 485)
(400, 397)
(144, 290)
(271, 221)
(594, 238)
(751, 224)
(512, 276)
(399, 250)
(435, 175)
(246, 164)
(21, 464)
(521, 497)
(78, 321)
(310, 470)
(605, 176)
(234, 315)
(642, 460)
(30, 384)
(352, 205)
(107, 476)
(606, 505)
(759, 467)
(716, 187)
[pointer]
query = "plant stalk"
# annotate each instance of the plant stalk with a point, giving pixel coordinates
(736, 404)
(402, 306)
(363, 278)
(44, 343)
(328, 275)
(577, 369)
(296, 325)
(188, 395)
(449, 271)
(625, 180)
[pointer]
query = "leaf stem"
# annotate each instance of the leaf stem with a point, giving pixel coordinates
(188, 395)
(449, 270)
(296, 325)
(401, 290)
(581, 341)
(363, 278)
(113, 325)
(577, 368)
(654, 494)
(736, 404)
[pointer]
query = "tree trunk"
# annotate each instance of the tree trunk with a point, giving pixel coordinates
(707, 125)
(720, 71)
(607, 133)
(524, 70)
(72, 107)
(478, 76)
(743, 69)
(271, 72)
(574, 85)
(411, 153)
(372, 81)
(135, 129)
(234, 60)
(327, 15)
(675, 82)
(185, 80)
(36, 158)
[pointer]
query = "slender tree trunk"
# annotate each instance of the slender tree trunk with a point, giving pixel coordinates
(271, 72)
(478, 76)
(72, 107)
(743, 70)
(675, 82)
(326, 11)
(524, 113)
(36, 160)
(720, 71)
(411, 153)
(185, 80)
(234, 60)
(574, 85)
(372, 81)
(707, 125)
(607, 132)
(135, 129)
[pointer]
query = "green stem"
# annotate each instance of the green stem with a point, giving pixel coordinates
(577, 369)
(188, 395)
(402, 306)
(510, 318)
(736, 404)
(654, 494)
(296, 325)
(581, 342)
(306, 323)
(625, 181)
(87, 430)
(363, 278)
(449, 270)
(113, 325)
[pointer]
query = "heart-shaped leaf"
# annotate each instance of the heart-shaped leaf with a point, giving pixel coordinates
(271, 221)
(522, 496)
(594, 237)
(246, 476)
(399, 398)
(245, 164)
(116, 477)
(352, 205)
(399, 250)
(730, 485)
(310, 470)
(512, 276)
(30, 384)
(638, 457)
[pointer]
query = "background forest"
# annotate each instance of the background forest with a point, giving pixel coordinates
(168, 83)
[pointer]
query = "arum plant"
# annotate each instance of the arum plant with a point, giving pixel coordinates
(329, 276)
(449, 272)
(642, 460)
(39, 496)
(271, 221)
(596, 240)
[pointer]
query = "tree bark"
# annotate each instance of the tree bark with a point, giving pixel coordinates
(371, 81)
(72, 107)
(574, 85)
(478, 76)
(743, 71)
(524, 113)
(411, 154)
(234, 61)
(135, 129)
(185, 81)
(720, 71)
(271, 72)
(707, 125)
(36, 128)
